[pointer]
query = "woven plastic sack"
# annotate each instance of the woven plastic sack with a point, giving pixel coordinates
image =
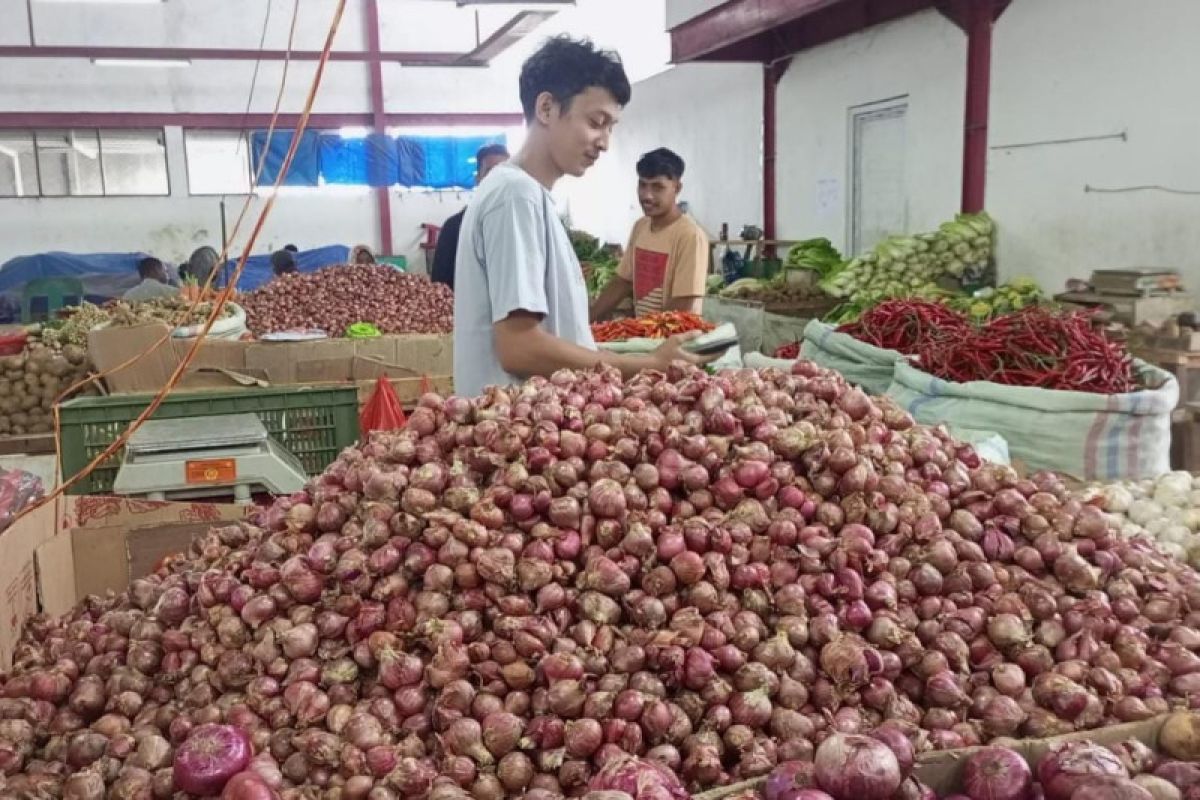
(383, 411)
(230, 327)
(1087, 436)
(746, 316)
(779, 329)
(865, 365)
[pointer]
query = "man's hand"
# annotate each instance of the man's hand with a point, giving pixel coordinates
(672, 350)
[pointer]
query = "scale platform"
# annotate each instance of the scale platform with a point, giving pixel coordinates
(206, 456)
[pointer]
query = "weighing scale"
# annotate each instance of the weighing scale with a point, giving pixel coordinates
(200, 456)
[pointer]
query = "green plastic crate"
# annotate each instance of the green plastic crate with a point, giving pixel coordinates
(314, 424)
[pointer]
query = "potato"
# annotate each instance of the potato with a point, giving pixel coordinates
(30, 401)
(20, 418)
(74, 353)
(18, 430)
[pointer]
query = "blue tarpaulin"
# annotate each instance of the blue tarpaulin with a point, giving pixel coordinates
(440, 162)
(258, 268)
(107, 276)
(104, 276)
(369, 161)
(306, 164)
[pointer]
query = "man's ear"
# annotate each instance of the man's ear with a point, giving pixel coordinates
(545, 108)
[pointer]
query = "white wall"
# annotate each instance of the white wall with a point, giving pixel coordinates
(680, 11)
(1123, 66)
(711, 114)
(922, 57)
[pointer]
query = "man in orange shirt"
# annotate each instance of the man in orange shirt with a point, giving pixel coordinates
(666, 264)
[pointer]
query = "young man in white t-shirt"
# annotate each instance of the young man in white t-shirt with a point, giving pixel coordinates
(520, 303)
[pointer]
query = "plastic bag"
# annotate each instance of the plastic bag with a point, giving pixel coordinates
(383, 411)
(18, 489)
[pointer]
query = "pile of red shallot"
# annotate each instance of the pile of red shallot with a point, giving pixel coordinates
(874, 767)
(714, 573)
(334, 298)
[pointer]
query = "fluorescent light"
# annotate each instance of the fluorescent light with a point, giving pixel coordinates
(141, 62)
(355, 132)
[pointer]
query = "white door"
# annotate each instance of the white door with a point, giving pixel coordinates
(878, 187)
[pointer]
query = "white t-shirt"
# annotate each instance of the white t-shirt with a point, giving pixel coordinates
(514, 254)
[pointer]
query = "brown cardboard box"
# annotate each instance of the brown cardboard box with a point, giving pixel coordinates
(218, 363)
(221, 363)
(18, 578)
(116, 538)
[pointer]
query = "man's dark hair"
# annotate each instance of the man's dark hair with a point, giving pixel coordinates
(149, 267)
(489, 150)
(660, 163)
(283, 261)
(291, 248)
(566, 68)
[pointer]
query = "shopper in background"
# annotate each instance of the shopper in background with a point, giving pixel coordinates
(155, 282)
(665, 266)
(520, 302)
(486, 160)
(361, 254)
(200, 265)
(283, 262)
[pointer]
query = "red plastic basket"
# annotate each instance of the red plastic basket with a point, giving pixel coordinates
(13, 343)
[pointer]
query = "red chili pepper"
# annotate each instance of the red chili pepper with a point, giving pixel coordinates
(1032, 347)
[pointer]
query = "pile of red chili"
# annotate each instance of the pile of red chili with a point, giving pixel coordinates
(789, 350)
(1036, 346)
(654, 326)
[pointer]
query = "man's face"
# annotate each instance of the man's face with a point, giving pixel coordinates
(579, 134)
(659, 195)
(488, 164)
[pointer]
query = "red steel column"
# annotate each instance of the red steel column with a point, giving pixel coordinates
(979, 21)
(379, 120)
(772, 74)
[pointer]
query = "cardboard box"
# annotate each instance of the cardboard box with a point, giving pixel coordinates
(113, 539)
(18, 576)
(221, 363)
(108, 552)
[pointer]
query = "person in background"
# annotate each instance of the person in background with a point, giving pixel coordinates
(361, 254)
(520, 303)
(155, 282)
(201, 264)
(283, 262)
(487, 159)
(665, 266)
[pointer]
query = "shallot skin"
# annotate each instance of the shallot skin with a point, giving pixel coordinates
(712, 574)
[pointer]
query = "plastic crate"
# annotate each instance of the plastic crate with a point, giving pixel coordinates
(315, 424)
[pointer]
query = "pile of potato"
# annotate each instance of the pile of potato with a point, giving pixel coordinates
(32, 380)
